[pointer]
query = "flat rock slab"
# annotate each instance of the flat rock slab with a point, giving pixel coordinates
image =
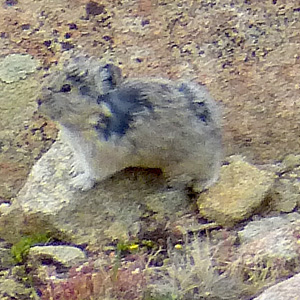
(255, 229)
(268, 254)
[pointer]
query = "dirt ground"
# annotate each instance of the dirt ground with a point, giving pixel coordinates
(246, 52)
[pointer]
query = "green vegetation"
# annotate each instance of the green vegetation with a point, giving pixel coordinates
(20, 249)
(189, 272)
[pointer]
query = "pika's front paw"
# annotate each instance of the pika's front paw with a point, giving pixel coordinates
(82, 182)
(76, 168)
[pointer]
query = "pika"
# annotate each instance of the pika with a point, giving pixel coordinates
(112, 123)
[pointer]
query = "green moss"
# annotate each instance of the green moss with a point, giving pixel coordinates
(20, 249)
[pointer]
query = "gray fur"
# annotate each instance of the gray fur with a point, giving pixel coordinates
(112, 123)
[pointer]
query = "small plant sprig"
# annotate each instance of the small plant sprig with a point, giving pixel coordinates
(20, 249)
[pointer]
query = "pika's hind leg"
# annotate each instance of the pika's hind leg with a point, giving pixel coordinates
(194, 172)
(200, 183)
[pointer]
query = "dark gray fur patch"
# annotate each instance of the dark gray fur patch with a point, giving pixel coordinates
(199, 107)
(124, 104)
(112, 75)
(85, 90)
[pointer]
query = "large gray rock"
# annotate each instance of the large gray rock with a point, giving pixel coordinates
(266, 226)
(269, 250)
(20, 140)
(286, 290)
(115, 209)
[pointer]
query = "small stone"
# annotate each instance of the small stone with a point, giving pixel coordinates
(290, 162)
(241, 189)
(285, 195)
(73, 26)
(11, 2)
(47, 43)
(4, 207)
(66, 255)
(25, 26)
(93, 8)
(68, 35)
(66, 46)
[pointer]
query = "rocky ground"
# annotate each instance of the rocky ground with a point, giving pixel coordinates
(129, 238)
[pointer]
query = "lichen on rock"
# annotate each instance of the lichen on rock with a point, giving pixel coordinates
(15, 67)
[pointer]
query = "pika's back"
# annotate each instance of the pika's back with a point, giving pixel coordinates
(166, 103)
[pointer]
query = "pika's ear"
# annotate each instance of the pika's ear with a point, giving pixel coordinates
(115, 73)
(110, 76)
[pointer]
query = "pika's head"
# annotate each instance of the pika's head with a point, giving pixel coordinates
(69, 95)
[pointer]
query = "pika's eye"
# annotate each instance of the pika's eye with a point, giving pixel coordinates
(66, 88)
